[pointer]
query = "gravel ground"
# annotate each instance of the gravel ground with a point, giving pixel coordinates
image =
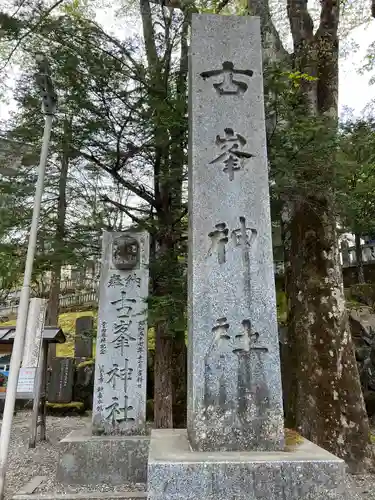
(24, 464)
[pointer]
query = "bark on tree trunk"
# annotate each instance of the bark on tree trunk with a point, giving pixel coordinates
(53, 301)
(170, 145)
(179, 380)
(325, 401)
(359, 259)
(163, 399)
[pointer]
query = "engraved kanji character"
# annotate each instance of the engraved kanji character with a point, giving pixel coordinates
(123, 304)
(115, 280)
(243, 236)
(247, 340)
(122, 336)
(132, 278)
(114, 411)
(220, 331)
(120, 373)
(101, 374)
(128, 408)
(113, 374)
(219, 238)
(231, 154)
(228, 86)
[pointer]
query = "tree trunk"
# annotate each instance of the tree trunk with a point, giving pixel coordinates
(163, 392)
(325, 401)
(169, 160)
(359, 259)
(57, 262)
(179, 379)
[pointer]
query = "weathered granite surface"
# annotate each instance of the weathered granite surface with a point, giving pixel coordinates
(93, 460)
(121, 356)
(34, 331)
(177, 473)
(83, 341)
(234, 383)
(89, 495)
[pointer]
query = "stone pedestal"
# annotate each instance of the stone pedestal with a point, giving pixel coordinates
(114, 451)
(175, 472)
(93, 460)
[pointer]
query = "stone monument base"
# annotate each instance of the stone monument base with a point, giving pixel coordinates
(306, 472)
(92, 460)
(35, 490)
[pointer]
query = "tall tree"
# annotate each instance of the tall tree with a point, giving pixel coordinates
(325, 401)
(134, 118)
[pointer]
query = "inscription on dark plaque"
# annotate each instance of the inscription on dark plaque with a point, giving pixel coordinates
(60, 387)
(84, 337)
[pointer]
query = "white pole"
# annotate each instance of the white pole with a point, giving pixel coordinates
(17, 351)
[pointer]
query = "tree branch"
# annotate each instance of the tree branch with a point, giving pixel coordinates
(329, 16)
(121, 207)
(222, 5)
(31, 30)
(149, 36)
(301, 23)
(327, 46)
(273, 49)
(136, 189)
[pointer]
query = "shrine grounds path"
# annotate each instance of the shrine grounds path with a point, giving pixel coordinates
(25, 463)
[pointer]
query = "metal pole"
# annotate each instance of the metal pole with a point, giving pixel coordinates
(17, 351)
(49, 102)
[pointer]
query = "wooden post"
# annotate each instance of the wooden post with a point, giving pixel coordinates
(43, 400)
(39, 397)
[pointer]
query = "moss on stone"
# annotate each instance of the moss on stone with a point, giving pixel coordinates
(88, 362)
(292, 438)
(66, 407)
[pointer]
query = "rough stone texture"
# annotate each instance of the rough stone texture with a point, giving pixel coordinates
(34, 329)
(83, 339)
(60, 387)
(177, 473)
(89, 495)
(121, 356)
(83, 388)
(364, 317)
(234, 393)
(92, 460)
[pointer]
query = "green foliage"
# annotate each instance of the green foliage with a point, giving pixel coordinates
(89, 362)
(282, 306)
(302, 148)
(356, 176)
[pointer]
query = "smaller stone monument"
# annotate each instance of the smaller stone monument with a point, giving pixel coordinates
(121, 355)
(83, 341)
(115, 451)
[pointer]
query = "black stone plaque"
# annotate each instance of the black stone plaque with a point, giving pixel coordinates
(84, 337)
(60, 387)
